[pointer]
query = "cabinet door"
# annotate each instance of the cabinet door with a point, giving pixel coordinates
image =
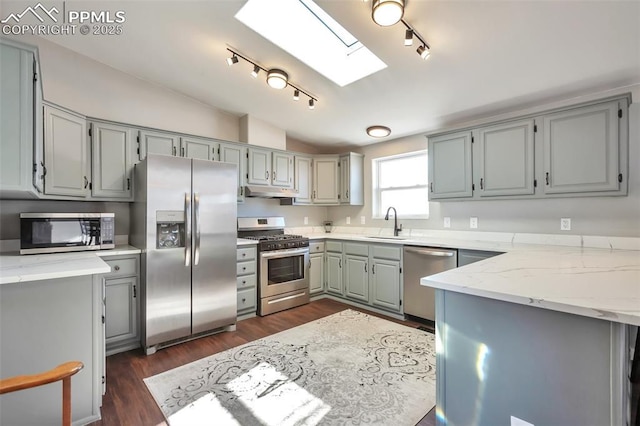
(343, 196)
(121, 319)
(65, 153)
(259, 171)
(385, 283)
(157, 143)
(356, 276)
(201, 149)
(316, 273)
(282, 170)
(303, 179)
(450, 174)
(581, 149)
(16, 118)
(334, 273)
(235, 154)
(325, 180)
(111, 161)
(505, 159)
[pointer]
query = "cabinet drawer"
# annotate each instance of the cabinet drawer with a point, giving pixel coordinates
(357, 249)
(122, 267)
(334, 246)
(247, 281)
(246, 253)
(246, 268)
(316, 246)
(247, 299)
(386, 252)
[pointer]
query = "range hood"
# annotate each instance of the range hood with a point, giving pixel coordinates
(259, 191)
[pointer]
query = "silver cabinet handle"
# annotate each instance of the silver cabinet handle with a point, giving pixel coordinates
(187, 238)
(86, 182)
(431, 186)
(339, 263)
(173, 150)
(365, 266)
(116, 268)
(482, 183)
(373, 268)
(266, 175)
(182, 151)
(347, 194)
(196, 225)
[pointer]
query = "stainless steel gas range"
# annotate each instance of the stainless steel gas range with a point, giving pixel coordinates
(283, 264)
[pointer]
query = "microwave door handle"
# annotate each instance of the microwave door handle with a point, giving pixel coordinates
(187, 237)
(196, 226)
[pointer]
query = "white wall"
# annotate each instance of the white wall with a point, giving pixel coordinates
(612, 216)
(257, 132)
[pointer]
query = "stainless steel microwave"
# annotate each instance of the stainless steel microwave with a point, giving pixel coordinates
(62, 232)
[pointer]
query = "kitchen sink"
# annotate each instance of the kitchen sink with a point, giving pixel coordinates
(386, 238)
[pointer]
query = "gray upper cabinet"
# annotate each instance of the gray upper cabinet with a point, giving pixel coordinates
(201, 149)
(450, 172)
(66, 153)
(111, 148)
(325, 180)
(581, 149)
(17, 69)
(235, 154)
(157, 143)
(282, 169)
(352, 179)
(259, 166)
(505, 159)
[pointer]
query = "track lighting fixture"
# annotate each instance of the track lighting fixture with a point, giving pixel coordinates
(378, 131)
(276, 78)
(256, 70)
(424, 49)
(408, 37)
(387, 12)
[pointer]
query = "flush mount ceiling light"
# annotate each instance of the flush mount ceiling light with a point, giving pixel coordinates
(276, 78)
(387, 12)
(378, 131)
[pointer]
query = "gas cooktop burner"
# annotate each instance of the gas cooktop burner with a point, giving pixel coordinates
(280, 237)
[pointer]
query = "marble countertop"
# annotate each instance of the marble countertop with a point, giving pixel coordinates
(246, 242)
(596, 283)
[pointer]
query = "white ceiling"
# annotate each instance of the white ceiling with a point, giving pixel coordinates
(486, 57)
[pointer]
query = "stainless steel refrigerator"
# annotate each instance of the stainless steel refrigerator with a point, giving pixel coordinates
(184, 220)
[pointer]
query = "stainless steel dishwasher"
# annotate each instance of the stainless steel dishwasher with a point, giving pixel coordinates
(419, 301)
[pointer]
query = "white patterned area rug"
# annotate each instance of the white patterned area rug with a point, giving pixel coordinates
(345, 369)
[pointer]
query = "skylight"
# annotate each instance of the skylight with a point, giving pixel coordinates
(304, 30)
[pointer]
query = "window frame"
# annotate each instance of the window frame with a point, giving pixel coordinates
(376, 190)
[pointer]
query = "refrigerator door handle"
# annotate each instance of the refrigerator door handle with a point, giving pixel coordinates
(196, 226)
(187, 237)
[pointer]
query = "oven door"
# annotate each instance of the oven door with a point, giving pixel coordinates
(283, 271)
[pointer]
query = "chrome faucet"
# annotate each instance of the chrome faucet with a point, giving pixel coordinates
(395, 221)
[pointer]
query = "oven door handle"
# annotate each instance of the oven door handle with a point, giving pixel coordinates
(284, 253)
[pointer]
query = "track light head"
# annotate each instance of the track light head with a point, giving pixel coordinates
(312, 104)
(276, 78)
(256, 70)
(387, 12)
(296, 95)
(408, 37)
(232, 60)
(423, 51)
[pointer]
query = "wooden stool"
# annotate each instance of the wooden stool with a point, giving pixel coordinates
(62, 372)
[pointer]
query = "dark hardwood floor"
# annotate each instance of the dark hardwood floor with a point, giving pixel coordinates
(128, 402)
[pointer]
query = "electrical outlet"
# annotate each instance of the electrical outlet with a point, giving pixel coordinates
(362, 220)
(348, 220)
(565, 224)
(519, 422)
(306, 220)
(473, 222)
(447, 222)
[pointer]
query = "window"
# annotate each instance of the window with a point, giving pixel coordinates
(401, 181)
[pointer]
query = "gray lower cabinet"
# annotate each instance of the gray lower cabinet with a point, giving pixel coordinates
(112, 164)
(17, 71)
(582, 149)
(157, 143)
(246, 272)
(450, 172)
(334, 268)
(122, 304)
(356, 271)
(66, 153)
(316, 267)
(386, 284)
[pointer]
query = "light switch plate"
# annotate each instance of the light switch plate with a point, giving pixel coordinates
(565, 224)
(306, 220)
(473, 222)
(362, 220)
(348, 220)
(519, 422)
(447, 222)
